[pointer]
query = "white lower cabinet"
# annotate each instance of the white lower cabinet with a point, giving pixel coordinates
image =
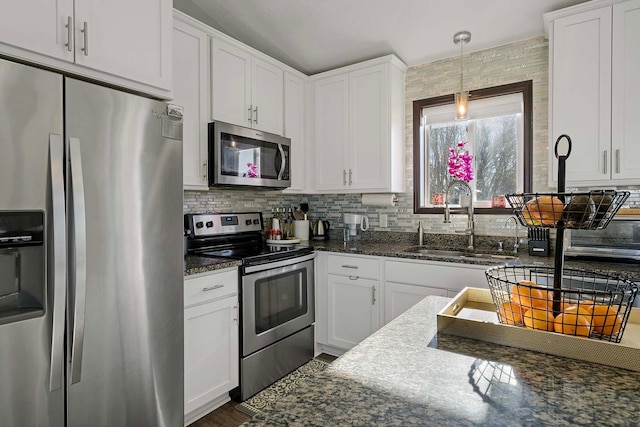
(211, 347)
(354, 310)
(399, 297)
(409, 281)
(357, 294)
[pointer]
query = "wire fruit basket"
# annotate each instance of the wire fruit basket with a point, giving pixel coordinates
(591, 304)
(571, 301)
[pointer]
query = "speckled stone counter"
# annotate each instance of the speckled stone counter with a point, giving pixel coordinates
(196, 264)
(407, 375)
(397, 249)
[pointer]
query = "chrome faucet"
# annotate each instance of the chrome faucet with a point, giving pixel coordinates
(467, 211)
(516, 243)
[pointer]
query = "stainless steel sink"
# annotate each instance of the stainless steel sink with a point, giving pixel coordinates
(460, 254)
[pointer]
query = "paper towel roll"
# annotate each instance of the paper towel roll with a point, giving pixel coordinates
(301, 229)
(380, 199)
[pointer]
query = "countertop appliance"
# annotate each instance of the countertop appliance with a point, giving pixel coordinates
(245, 157)
(91, 330)
(619, 241)
(321, 229)
(276, 295)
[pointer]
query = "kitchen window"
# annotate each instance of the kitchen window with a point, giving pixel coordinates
(497, 134)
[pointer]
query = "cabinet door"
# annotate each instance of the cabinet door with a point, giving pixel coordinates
(130, 39)
(190, 90)
(399, 297)
(267, 92)
(331, 133)
(353, 310)
(294, 129)
(211, 352)
(625, 101)
(231, 84)
(369, 135)
(38, 26)
(581, 96)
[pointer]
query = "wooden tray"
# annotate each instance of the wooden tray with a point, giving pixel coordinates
(472, 314)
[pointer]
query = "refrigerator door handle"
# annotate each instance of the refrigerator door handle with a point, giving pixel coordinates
(58, 280)
(80, 259)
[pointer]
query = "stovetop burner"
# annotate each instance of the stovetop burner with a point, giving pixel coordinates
(236, 236)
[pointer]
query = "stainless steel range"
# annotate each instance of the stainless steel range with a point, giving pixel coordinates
(276, 295)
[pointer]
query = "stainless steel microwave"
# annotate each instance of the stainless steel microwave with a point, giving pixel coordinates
(245, 157)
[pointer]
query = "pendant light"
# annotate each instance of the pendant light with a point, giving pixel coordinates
(462, 97)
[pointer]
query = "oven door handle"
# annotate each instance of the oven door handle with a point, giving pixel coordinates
(283, 263)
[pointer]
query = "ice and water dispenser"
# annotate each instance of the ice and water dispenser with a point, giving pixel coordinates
(22, 265)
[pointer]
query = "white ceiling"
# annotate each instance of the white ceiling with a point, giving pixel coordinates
(318, 35)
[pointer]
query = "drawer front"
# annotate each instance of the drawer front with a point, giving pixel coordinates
(206, 287)
(452, 277)
(368, 268)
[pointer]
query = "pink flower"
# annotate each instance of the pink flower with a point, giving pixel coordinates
(252, 172)
(459, 164)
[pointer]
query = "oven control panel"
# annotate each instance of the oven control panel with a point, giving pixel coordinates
(213, 224)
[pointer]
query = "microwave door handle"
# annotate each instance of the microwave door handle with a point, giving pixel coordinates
(80, 259)
(57, 280)
(283, 162)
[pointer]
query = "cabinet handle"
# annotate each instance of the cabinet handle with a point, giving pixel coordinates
(344, 177)
(354, 277)
(373, 295)
(255, 110)
(69, 28)
(350, 175)
(250, 114)
(204, 169)
(604, 162)
(212, 288)
(85, 32)
(355, 267)
(235, 313)
(617, 160)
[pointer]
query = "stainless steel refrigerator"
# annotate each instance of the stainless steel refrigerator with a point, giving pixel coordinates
(91, 266)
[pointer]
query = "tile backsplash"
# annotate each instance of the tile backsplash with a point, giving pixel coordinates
(519, 61)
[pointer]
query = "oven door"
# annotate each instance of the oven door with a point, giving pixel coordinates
(277, 301)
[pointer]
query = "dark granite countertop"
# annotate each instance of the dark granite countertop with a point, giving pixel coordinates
(406, 374)
(398, 249)
(197, 264)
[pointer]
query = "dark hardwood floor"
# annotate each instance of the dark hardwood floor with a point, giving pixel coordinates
(225, 416)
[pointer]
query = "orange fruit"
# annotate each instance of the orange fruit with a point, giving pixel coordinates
(510, 313)
(577, 309)
(572, 324)
(526, 295)
(537, 318)
(606, 320)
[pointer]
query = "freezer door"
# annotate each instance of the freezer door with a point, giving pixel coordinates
(125, 313)
(31, 386)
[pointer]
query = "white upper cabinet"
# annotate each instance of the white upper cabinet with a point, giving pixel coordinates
(359, 128)
(625, 101)
(247, 91)
(40, 26)
(191, 91)
(595, 92)
(120, 42)
(294, 99)
(332, 133)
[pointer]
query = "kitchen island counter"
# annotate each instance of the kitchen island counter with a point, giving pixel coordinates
(406, 374)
